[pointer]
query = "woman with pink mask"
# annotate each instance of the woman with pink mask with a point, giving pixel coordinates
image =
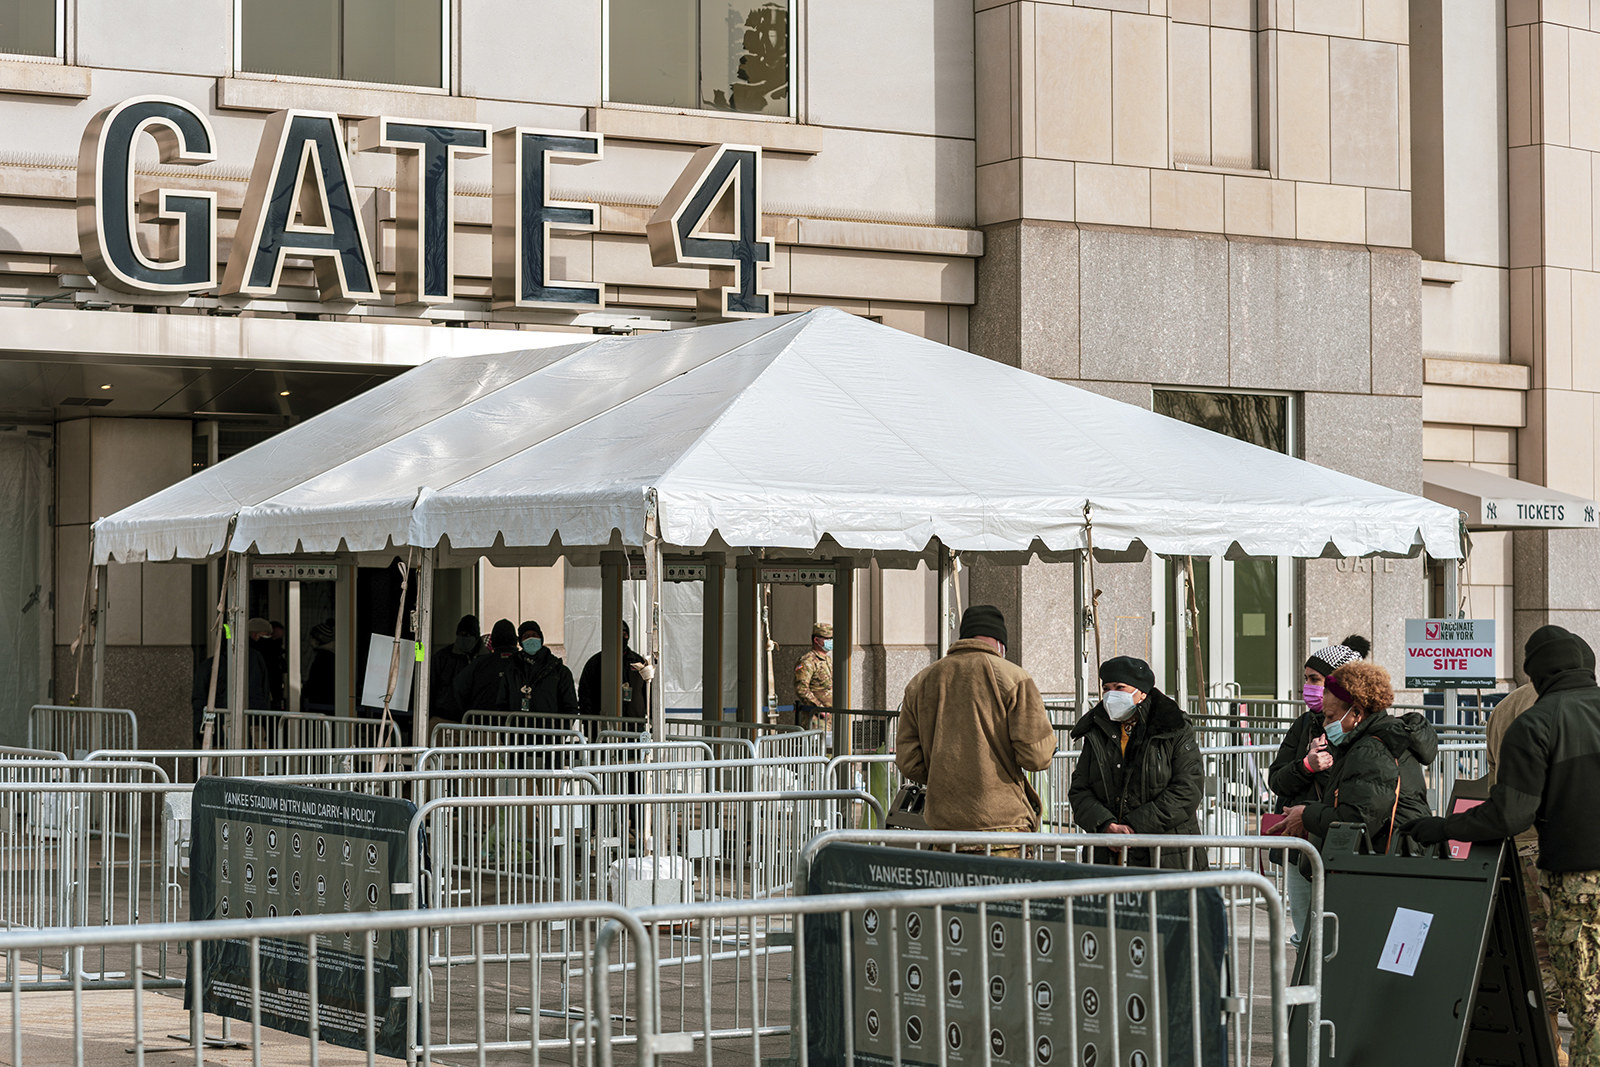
(1304, 756)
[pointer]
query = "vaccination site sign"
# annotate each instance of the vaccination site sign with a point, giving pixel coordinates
(1450, 653)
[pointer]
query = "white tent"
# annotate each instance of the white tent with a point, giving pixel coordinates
(820, 433)
(776, 433)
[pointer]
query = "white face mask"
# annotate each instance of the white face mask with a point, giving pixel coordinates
(1119, 705)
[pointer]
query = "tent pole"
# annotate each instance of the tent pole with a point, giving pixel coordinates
(1080, 679)
(1452, 610)
(946, 576)
(613, 570)
(1181, 623)
(422, 629)
(238, 654)
(652, 601)
(711, 639)
(102, 575)
(844, 639)
(749, 650)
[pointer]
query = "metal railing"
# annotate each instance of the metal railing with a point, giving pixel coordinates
(74, 731)
(306, 730)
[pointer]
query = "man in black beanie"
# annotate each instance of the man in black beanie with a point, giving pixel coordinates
(970, 725)
(1549, 779)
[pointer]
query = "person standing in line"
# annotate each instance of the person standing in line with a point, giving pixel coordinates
(813, 680)
(551, 692)
(1304, 755)
(971, 724)
(636, 676)
(316, 691)
(1505, 713)
(1547, 776)
(1140, 770)
(493, 682)
(448, 663)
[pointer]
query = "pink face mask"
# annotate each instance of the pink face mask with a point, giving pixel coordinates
(1312, 695)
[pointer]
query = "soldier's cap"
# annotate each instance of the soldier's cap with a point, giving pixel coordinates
(822, 629)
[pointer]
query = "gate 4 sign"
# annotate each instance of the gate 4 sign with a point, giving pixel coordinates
(1444, 653)
(301, 204)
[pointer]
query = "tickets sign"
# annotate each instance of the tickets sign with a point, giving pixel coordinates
(1450, 653)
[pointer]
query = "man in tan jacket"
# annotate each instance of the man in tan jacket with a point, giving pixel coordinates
(971, 724)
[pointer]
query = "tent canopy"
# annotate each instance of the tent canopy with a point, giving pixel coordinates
(806, 432)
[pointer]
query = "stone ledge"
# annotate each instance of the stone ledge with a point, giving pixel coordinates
(677, 127)
(1477, 375)
(1465, 406)
(266, 94)
(45, 79)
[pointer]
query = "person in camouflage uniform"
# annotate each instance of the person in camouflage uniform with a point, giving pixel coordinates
(1573, 929)
(813, 680)
(1548, 777)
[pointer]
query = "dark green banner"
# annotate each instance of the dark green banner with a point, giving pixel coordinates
(263, 850)
(1002, 988)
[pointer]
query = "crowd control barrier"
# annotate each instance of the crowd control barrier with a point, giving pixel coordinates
(75, 731)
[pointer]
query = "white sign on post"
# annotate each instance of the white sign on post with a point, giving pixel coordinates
(379, 650)
(1450, 653)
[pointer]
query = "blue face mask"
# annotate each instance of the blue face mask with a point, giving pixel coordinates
(827, 644)
(532, 645)
(1335, 731)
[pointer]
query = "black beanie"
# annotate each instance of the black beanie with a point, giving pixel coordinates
(504, 636)
(468, 626)
(1129, 671)
(983, 620)
(1553, 649)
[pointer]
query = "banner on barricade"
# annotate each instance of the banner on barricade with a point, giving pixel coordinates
(1001, 990)
(262, 850)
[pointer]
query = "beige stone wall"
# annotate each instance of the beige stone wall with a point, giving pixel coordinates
(1216, 116)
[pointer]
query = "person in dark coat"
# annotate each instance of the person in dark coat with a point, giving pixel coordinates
(260, 690)
(1304, 755)
(1364, 782)
(1548, 778)
(493, 682)
(1139, 770)
(447, 665)
(636, 676)
(317, 691)
(551, 693)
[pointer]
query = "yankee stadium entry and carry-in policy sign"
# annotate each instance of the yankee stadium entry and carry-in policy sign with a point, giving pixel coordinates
(1445, 653)
(301, 204)
(998, 988)
(262, 850)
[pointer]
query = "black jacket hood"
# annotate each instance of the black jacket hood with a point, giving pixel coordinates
(1553, 651)
(1411, 732)
(1160, 713)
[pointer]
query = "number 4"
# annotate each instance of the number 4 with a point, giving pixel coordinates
(693, 228)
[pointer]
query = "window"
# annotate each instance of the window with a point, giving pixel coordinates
(1214, 85)
(717, 55)
(28, 27)
(1240, 608)
(397, 42)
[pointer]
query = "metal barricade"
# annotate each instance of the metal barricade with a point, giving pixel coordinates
(307, 730)
(75, 731)
(1259, 865)
(189, 764)
(728, 975)
(558, 1007)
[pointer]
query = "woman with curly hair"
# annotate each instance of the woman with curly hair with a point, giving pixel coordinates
(1364, 784)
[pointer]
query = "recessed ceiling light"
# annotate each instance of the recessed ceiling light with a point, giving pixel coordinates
(284, 393)
(106, 386)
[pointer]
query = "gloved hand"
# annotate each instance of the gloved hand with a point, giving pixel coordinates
(645, 670)
(1429, 831)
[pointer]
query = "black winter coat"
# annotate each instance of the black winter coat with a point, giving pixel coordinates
(1288, 777)
(1366, 782)
(1155, 787)
(1549, 762)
